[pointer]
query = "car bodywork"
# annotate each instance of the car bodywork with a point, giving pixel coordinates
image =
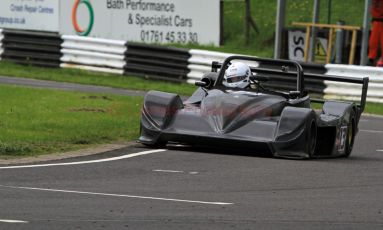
(282, 123)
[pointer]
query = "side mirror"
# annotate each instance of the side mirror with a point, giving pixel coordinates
(200, 83)
(207, 80)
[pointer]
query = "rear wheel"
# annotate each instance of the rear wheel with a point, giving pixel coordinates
(311, 137)
(351, 128)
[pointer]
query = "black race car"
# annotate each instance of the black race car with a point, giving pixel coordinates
(263, 117)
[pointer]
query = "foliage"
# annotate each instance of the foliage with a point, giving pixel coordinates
(264, 14)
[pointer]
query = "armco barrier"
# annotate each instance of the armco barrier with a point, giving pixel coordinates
(158, 62)
(351, 91)
(33, 48)
(93, 54)
(1, 44)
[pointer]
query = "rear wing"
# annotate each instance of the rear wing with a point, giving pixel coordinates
(285, 74)
(310, 76)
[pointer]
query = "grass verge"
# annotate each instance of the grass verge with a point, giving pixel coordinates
(39, 121)
(92, 78)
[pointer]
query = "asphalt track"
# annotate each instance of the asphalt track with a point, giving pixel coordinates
(186, 188)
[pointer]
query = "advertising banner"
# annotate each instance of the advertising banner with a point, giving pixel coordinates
(147, 21)
(30, 14)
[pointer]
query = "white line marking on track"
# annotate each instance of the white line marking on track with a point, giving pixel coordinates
(379, 150)
(14, 221)
(371, 131)
(167, 171)
(173, 171)
(117, 195)
(86, 162)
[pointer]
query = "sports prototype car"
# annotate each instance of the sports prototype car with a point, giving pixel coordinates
(258, 117)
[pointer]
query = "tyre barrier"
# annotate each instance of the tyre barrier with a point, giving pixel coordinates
(1, 44)
(351, 91)
(200, 61)
(31, 48)
(288, 82)
(157, 62)
(170, 64)
(93, 54)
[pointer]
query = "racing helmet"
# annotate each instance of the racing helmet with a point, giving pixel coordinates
(237, 75)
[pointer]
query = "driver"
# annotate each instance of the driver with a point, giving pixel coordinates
(237, 76)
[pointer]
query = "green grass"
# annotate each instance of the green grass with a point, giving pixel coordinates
(92, 78)
(374, 108)
(37, 121)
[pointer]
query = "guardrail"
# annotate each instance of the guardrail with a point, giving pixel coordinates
(32, 48)
(158, 62)
(93, 54)
(1, 42)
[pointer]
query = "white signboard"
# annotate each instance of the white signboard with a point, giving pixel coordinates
(30, 14)
(149, 21)
(297, 46)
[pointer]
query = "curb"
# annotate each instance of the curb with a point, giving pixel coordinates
(71, 154)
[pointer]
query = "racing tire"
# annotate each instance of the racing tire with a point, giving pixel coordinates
(351, 128)
(311, 137)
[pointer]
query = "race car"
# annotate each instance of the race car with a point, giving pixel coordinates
(236, 106)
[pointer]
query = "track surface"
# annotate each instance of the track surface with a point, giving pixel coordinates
(184, 188)
(167, 190)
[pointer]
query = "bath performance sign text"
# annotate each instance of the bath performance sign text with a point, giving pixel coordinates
(151, 21)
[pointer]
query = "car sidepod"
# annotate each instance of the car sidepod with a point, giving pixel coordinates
(296, 133)
(158, 110)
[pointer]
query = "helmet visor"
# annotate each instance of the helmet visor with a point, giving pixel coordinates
(234, 79)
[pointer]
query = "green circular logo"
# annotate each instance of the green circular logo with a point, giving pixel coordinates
(80, 31)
